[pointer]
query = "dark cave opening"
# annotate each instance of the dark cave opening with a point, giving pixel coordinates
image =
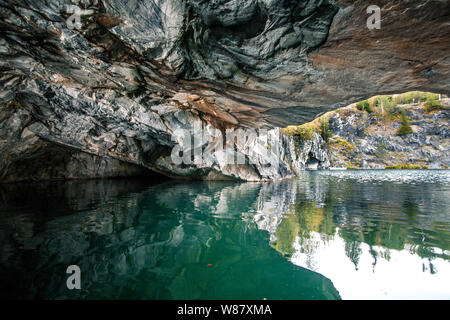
(313, 163)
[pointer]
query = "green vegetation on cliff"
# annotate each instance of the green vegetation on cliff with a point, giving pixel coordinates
(406, 166)
(433, 105)
(364, 106)
(306, 131)
(405, 127)
(415, 97)
(376, 133)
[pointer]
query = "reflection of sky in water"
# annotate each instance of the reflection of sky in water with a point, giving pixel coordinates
(400, 274)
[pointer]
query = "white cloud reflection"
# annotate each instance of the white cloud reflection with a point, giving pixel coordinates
(396, 274)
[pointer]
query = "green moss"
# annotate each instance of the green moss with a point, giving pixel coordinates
(433, 105)
(344, 144)
(387, 105)
(415, 96)
(406, 166)
(304, 132)
(289, 131)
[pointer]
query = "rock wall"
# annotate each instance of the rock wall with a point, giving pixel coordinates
(370, 141)
(72, 134)
(117, 82)
(25, 156)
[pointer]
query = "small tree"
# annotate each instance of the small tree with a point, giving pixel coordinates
(365, 123)
(381, 150)
(364, 106)
(405, 127)
(325, 131)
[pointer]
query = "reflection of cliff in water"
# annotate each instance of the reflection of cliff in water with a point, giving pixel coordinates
(132, 240)
(383, 234)
(365, 225)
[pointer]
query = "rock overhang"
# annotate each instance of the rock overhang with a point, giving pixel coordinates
(111, 81)
(249, 57)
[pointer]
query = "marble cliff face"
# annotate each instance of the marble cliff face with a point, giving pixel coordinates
(110, 91)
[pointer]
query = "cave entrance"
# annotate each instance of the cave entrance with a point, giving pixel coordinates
(312, 163)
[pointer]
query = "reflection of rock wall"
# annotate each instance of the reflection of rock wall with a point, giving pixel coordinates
(136, 241)
(274, 201)
(153, 243)
(278, 199)
(369, 226)
(325, 202)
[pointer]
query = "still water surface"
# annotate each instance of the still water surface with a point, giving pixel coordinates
(324, 235)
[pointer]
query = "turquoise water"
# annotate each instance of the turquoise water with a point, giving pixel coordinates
(324, 235)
